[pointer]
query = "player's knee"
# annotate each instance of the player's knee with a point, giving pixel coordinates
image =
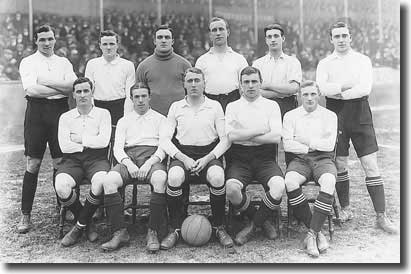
(291, 181)
(97, 182)
(327, 183)
(112, 182)
(64, 185)
(176, 176)
(276, 187)
(33, 165)
(341, 162)
(159, 180)
(370, 165)
(215, 176)
(233, 189)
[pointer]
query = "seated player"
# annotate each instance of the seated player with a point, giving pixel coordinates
(253, 125)
(310, 132)
(197, 149)
(136, 149)
(83, 134)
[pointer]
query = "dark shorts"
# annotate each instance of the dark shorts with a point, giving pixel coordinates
(250, 163)
(355, 124)
(225, 99)
(197, 152)
(84, 164)
(41, 126)
(115, 107)
(139, 155)
(286, 104)
(313, 164)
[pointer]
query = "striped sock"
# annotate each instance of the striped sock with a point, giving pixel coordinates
(267, 205)
(72, 202)
(342, 186)
(299, 205)
(217, 202)
(175, 205)
(375, 187)
(90, 206)
(322, 207)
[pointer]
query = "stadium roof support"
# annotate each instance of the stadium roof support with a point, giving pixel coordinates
(302, 21)
(101, 12)
(31, 20)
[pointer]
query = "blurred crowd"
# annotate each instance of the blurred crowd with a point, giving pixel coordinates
(77, 39)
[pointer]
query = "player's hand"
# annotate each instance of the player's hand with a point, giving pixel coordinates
(143, 171)
(76, 138)
(339, 96)
(43, 80)
(201, 163)
(189, 164)
(235, 124)
(347, 86)
(132, 169)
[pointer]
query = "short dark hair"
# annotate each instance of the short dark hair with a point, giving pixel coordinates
(81, 80)
(43, 28)
(193, 70)
(108, 33)
(250, 70)
(164, 26)
(339, 24)
(137, 86)
(215, 19)
(309, 83)
(274, 26)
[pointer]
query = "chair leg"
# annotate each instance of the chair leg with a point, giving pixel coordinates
(289, 216)
(61, 221)
(134, 203)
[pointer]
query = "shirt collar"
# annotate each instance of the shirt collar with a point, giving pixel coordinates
(335, 55)
(146, 115)
(205, 104)
(282, 56)
(44, 57)
(91, 114)
(228, 50)
(113, 62)
(245, 101)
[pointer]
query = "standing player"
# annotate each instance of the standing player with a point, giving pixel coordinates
(310, 133)
(163, 71)
(84, 133)
(281, 73)
(113, 76)
(197, 148)
(47, 80)
(345, 77)
(136, 149)
(221, 65)
(253, 125)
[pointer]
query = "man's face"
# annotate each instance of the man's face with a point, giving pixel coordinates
(309, 98)
(141, 100)
(274, 40)
(218, 33)
(194, 84)
(83, 94)
(341, 39)
(250, 86)
(109, 46)
(45, 43)
(163, 40)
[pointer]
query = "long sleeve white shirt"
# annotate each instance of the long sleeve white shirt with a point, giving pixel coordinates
(95, 129)
(195, 126)
(138, 130)
(261, 113)
(318, 127)
(353, 68)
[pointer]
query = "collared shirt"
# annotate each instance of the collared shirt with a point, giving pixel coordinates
(284, 70)
(112, 80)
(138, 130)
(196, 126)
(94, 127)
(56, 67)
(336, 70)
(221, 71)
(261, 113)
(319, 127)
